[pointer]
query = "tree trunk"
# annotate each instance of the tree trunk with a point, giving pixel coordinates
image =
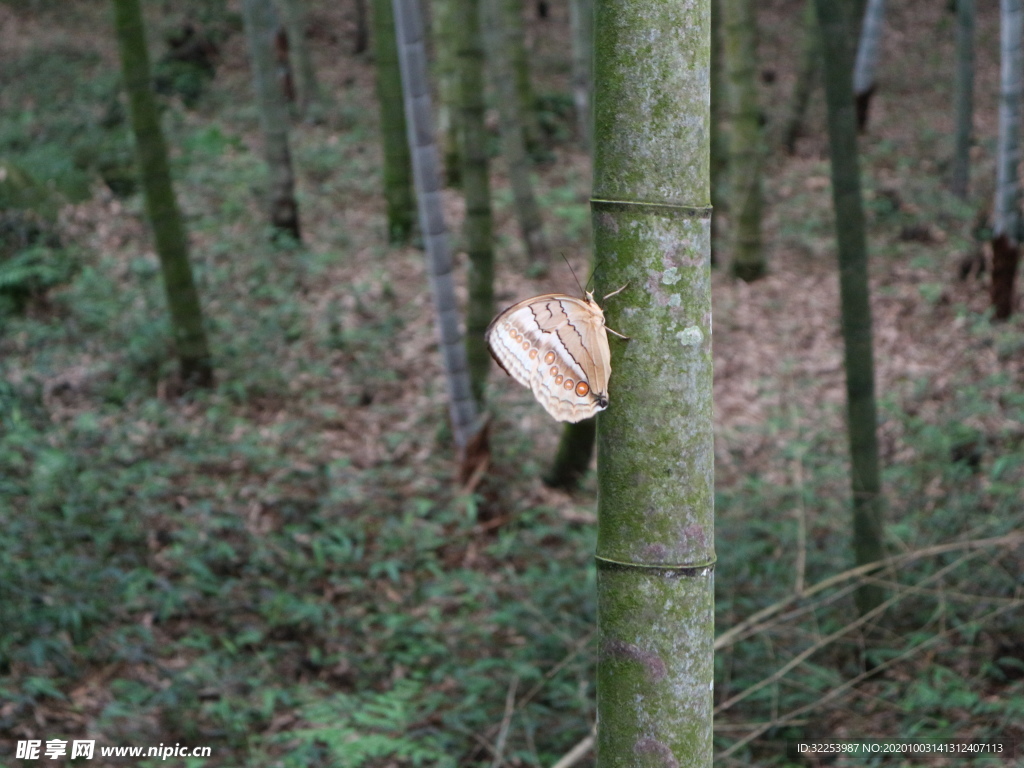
(514, 145)
(412, 56)
(963, 100)
(283, 64)
(581, 24)
(161, 204)
(868, 50)
(740, 28)
(443, 24)
(573, 458)
(515, 44)
(719, 131)
(651, 223)
(854, 297)
(361, 39)
(476, 186)
(855, 11)
(576, 445)
(301, 58)
(397, 170)
(260, 28)
(806, 77)
(1006, 229)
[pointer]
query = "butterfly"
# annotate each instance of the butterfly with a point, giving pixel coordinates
(557, 345)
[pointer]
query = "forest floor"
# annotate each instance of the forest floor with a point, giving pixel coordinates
(284, 568)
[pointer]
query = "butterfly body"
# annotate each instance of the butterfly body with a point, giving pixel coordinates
(557, 345)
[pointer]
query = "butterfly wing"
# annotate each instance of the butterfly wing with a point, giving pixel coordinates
(557, 346)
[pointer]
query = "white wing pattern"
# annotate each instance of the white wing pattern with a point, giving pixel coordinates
(557, 346)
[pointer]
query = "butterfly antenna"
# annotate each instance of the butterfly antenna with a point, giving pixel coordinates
(573, 272)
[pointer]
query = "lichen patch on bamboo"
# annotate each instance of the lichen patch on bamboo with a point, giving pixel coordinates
(690, 337)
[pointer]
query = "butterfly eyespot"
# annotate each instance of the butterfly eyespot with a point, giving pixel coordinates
(526, 345)
(569, 384)
(558, 380)
(554, 370)
(549, 358)
(582, 388)
(533, 353)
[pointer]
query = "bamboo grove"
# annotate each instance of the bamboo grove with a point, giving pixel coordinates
(510, 382)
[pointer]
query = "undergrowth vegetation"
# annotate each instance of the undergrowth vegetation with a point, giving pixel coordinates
(281, 568)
